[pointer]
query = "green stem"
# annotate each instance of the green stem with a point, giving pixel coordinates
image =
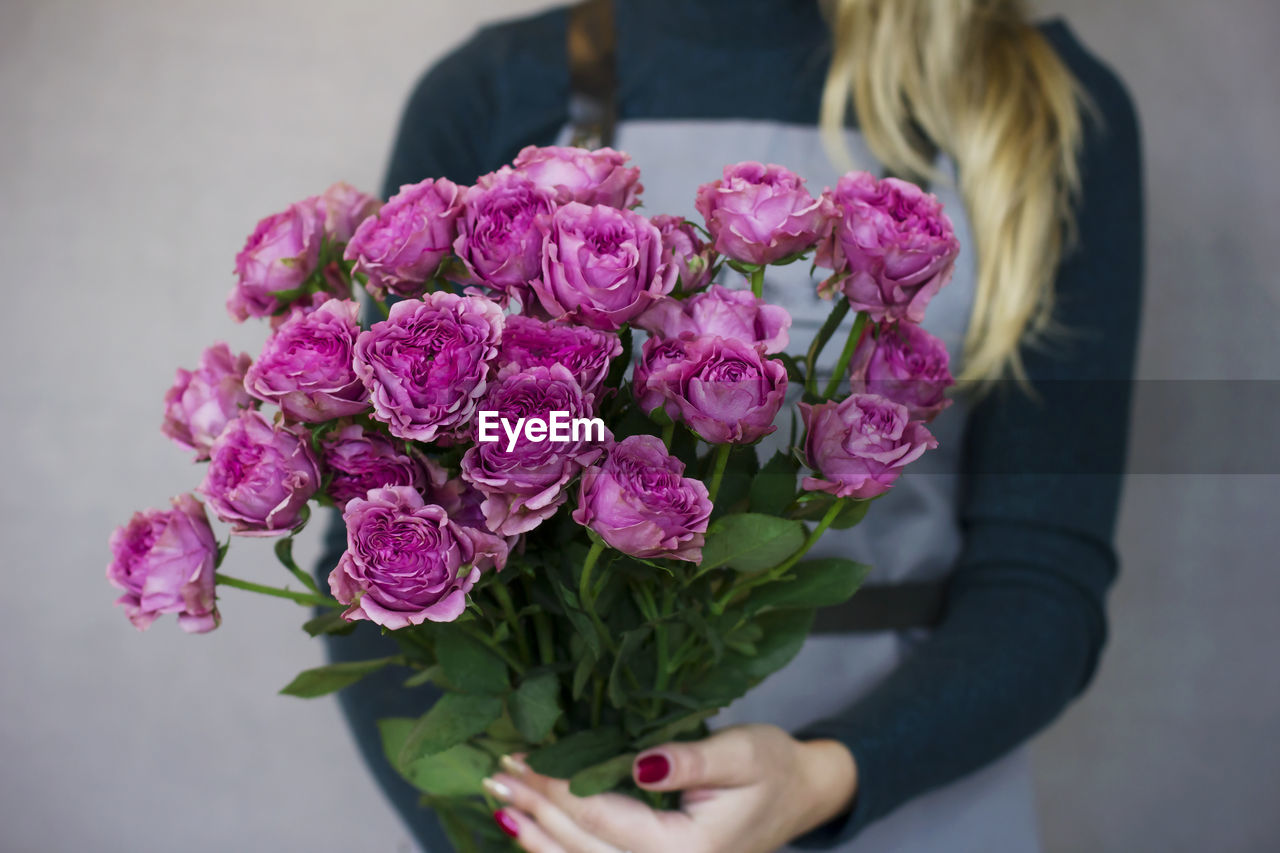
(718, 463)
(669, 435)
(305, 598)
(501, 593)
(757, 282)
(597, 702)
(584, 581)
(546, 649)
(846, 355)
(828, 329)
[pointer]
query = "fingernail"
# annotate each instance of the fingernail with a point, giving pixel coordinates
(512, 765)
(506, 823)
(652, 769)
(497, 789)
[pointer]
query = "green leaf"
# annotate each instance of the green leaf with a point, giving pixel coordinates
(674, 728)
(469, 664)
(455, 772)
(326, 679)
(452, 720)
(775, 486)
(603, 776)
(433, 673)
(535, 706)
(751, 542)
(582, 674)
(853, 512)
(329, 622)
(784, 633)
(631, 641)
(577, 751)
(814, 583)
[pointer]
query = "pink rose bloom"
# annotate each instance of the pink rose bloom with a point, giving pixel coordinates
(407, 562)
(201, 403)
(358, 460)
(164, 561)
(905, 363)
(601, 267)
(279, 256)
(891, 247)
(428, 363)
(656, 355)
(260, 476)
(859, 446)
(759, 214)
(722, 312)
(306, 369)
(529, 342)
(524, 481)
(344, 208)
(640, 503)
(683, 246)
(401, 248)
(723, 389)
(577, 174)
(499, 238)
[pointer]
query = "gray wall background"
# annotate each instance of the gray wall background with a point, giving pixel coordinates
(140, 142)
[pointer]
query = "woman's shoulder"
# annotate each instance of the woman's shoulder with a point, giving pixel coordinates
(1108, 96)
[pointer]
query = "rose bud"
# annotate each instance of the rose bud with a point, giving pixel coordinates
(638, 501)
(601, 266)
(499, 238)
(305, 366)
(656, 356)
(524, 480)
(719, 311)
(407, 562)
(683, 246)
(164, 561)
(859, 446)
(359, 460)
(529, 342)
(905, 363)
(891, 247)
(427, 364)
(723, 390)
(759, 214)
(576, 174)
(401, 248)
(344, 208)
(278, 258)
(201, 403)
(260, 476)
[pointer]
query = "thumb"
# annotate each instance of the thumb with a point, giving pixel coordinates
(724, 760)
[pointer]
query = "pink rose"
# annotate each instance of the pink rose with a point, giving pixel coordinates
(401, 248)
(200, 404)
(891, 247)
(655, 356)
(305, 367)
(905, 363)
(683, 246)
(499, 238)
(601, 266)
(587, 353)
(577, 174)
(859, 446)
(164, 561)
(358, 460)
(277, 259)
(344, 208)
(759, 214)
(722, 312)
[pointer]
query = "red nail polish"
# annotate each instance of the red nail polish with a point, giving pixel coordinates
(506, 823)
(652, 769)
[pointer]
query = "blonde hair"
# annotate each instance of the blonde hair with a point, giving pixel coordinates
(978, 81)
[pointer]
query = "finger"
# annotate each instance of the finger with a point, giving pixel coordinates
(725, 760)
(525, 830)
(549, 818)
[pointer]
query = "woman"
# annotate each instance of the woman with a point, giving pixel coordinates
(893, 739)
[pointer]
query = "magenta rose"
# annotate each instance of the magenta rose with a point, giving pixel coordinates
(277, 259)
(523, 478)
(164, 561)
(640, 503)
(499, 234)
(722, 312)
(601, 266)
(344, 208)
(201, 402)
(760, 214)
(407, 562)
(683, 246)
(655, 356)
(358, 460)
(723, 389)
(905, 363)
(427, 363)
(577, 174)
(401, 248)
(859, 446)
(529, 342)
(260, 476)
(306, 365)
(891, 247)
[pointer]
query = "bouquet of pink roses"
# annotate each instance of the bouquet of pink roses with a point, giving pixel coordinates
(565, 529)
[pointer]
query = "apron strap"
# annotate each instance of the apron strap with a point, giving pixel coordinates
(593, 77)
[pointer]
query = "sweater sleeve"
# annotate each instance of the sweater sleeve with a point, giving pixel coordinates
(1024, 620)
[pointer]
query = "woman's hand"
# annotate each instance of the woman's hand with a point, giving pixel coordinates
(747, 789)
